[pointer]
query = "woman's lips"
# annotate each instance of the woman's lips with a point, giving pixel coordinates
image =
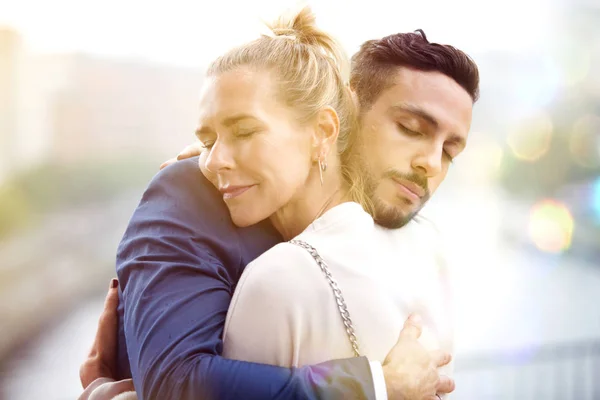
(231, 192)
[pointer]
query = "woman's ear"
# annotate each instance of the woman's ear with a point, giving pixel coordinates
(327, 129)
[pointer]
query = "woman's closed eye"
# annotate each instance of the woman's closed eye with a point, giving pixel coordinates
(209, 143)
(245, 133)
(205, 137)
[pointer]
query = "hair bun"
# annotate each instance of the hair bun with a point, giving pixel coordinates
(286, 33)
(301, 28)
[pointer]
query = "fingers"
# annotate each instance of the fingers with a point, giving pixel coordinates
(111, 302)
(90, 387)
(445, 384)
(109, 390)
(106, 334)
(190, 151)
(168, 162)
(440, 358)
(412, 327)
(102, 358)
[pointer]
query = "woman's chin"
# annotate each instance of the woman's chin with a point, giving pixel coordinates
(242, 220)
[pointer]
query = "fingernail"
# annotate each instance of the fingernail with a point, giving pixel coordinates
(179, 156)
(114, 283)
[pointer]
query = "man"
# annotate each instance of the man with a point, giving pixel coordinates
(181, 257)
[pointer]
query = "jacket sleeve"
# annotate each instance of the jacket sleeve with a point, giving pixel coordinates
(178, 264)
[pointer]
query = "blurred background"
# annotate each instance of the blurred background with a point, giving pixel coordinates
(94, 95)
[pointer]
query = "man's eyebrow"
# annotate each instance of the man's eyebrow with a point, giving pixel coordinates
(229, 121)
(417, 111)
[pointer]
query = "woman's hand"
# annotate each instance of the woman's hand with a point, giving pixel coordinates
(98, 371)
(102, 359)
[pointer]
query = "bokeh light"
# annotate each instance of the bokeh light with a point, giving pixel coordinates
(596, 198)
(575, 61)
(531, 139)
(494, 157)
(593, 80)
(584, 141)
(551, 226)
(482, 160)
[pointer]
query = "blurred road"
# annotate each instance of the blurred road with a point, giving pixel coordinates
(49, 368)
(47, 279)
(507, 297)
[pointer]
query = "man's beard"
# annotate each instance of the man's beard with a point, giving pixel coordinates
(389, 216)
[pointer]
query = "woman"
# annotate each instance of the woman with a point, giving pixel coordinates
(277, 124)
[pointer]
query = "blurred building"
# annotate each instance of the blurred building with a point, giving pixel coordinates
(11, 60)
(68, 108)
(107, 109)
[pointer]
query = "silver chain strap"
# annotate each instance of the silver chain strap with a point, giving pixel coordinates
(341, 303)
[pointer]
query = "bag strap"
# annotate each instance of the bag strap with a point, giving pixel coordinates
(337, 293)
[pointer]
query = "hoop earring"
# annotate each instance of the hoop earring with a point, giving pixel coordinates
(322, 168)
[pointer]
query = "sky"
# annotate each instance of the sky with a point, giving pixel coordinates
(191, 33)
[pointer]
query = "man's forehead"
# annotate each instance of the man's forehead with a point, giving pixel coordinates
(430, 96)
(412, 83)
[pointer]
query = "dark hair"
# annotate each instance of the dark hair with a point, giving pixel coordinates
(376, 61)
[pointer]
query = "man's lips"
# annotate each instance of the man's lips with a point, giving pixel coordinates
(230, 192)
(410, 189)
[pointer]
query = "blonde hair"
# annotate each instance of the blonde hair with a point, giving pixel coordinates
(313, 72)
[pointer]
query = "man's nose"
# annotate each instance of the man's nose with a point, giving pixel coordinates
(429, 160)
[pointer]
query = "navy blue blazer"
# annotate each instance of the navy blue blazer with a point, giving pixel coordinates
(178, 263)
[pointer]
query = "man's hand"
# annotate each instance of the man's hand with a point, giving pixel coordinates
(190, 151)
(411, 371)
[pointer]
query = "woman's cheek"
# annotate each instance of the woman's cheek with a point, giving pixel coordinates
(202, 164)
